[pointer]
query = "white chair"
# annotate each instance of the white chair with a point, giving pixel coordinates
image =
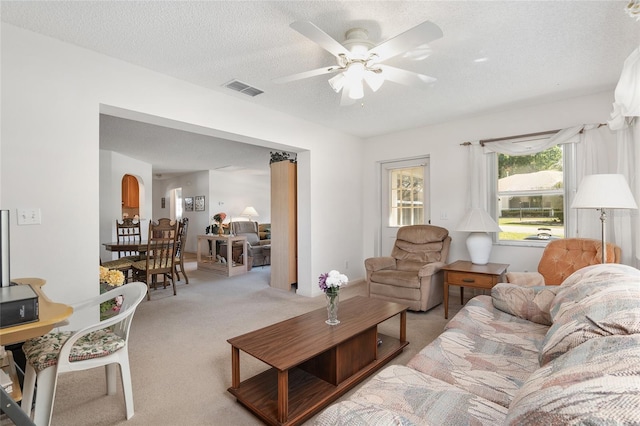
(101, 344)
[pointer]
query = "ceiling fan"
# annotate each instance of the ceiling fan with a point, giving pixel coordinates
(359, 60)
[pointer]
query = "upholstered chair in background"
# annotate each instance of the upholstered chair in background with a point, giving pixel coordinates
(249, 229)
(562, 258)
(411, 275)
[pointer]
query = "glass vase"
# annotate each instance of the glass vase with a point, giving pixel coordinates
(332, 308)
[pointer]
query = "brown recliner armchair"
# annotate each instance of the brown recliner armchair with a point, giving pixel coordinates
(411, 275)
(562, 258)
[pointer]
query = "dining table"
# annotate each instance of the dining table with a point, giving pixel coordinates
(116, 246)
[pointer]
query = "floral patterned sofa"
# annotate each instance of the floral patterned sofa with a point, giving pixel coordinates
(553, 355)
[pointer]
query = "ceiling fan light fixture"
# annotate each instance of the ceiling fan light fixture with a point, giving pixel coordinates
(355, 71)
(356, 91)
(374, 80)
(337, 82)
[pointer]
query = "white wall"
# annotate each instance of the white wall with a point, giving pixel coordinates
(113, 166)
(52, 95)
(448, 164)
(192, 184)
(231, 193)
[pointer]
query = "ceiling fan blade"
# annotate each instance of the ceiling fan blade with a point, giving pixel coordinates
(306, 74)
(408, 78)
(318, 36)
(416, 36)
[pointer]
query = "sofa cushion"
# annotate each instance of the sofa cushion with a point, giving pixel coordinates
(479, 317)
(402, 396)
(597, 383)
(530, 303)
(407, 279)
(488, 366)
(264, 231)
(600, 300)
(418, 244)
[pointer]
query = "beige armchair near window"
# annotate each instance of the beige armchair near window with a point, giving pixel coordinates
(411, 275)
(562, 258)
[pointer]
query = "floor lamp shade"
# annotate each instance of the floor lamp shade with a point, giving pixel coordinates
(479, 242)
(604, 191)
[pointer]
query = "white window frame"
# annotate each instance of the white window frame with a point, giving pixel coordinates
(569, 169)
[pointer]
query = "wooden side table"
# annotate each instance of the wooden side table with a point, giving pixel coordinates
(208, 262)
(466, 274)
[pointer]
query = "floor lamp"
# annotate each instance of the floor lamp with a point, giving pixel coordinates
(600, 192)
(479, 243)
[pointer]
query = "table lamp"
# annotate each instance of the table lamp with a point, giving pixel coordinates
(479, 242)
(600, 192)
(249, 212)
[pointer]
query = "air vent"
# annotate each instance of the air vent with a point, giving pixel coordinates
(241, 87)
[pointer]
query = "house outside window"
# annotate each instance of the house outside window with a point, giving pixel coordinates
(530, 194)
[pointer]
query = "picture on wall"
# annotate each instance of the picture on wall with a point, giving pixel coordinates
(200, 203)
(188, 204)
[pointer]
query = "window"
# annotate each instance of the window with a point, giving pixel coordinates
(531, 193)
(406, 202)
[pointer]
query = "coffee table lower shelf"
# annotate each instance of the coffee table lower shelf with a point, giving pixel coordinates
(308, 394)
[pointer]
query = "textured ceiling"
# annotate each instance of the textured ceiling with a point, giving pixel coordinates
(536, 51)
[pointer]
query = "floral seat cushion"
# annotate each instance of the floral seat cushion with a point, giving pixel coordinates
(42, 352)
(123, 263)
(158, 264)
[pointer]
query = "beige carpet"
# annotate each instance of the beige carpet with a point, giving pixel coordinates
(180, 358)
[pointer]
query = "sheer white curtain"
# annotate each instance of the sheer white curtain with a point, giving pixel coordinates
(594, 155)
(532, 145)
(624, 122)
(479, 178)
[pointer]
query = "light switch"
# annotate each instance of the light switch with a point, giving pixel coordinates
(444, 215)
(29, 217)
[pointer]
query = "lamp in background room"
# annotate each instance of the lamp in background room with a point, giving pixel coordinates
(479, 242)
(249, 212)
(600, 192)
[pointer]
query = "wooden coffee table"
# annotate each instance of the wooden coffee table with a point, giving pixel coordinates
(314, 363)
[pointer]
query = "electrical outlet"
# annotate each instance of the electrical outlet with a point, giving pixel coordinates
(29, 217)
(346, 264)
(444, 215)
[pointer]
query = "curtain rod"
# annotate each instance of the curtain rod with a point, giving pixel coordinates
(484, 141)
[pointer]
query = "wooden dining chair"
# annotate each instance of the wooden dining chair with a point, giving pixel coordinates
(182, 241)
(161, 254)
(128, 232)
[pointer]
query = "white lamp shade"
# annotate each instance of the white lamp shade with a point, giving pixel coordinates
(249, 211)
(604, 191)
(477, 220)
